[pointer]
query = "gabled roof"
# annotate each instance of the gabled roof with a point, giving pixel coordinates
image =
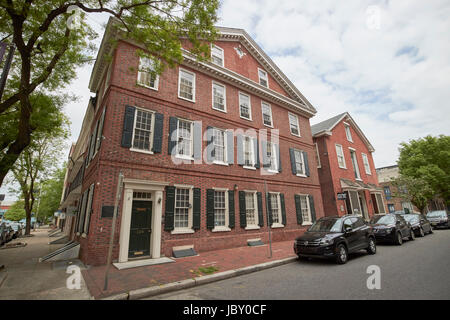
(326, 127)
(295, 99)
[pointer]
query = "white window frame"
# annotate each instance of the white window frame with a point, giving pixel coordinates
(225, 147)
(265, 77)
(339, 147)
(265, 104)
(255, 207)
(222, 56)
(214, 83)
(297, 122)
(225, 228)
(189, 228)
(273, 156)
(183, 156)
(366, 163)
(252, 151)
(249, 106)
(309, 222)
(319, 165)
(152, 131)
(139, 82)
(353, 151)
(303, 163)
(278, 224)
(348, 133)
(180, 72)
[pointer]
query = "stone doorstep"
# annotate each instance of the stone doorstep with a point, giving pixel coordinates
(189, 283)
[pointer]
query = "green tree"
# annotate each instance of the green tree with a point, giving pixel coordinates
(16, 212)
(428, 160)
(415, 190)
(50, 47)
(51, 194)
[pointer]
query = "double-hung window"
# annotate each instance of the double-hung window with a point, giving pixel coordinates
(348, 133)
(293, 124)
(186, 85)
(245, 109)
(275, 208)
(182, 218)
(355, 164)
(340, 156)
(146, 75)
(271, 156)
(366, 163)
(249, 153)
(220, 209)
(217, 55)
(317, 156)
(299, 163)
(184, 138)
(219, 97)
(306, 209)
(143, 130)
(263, 79)
(267, 114)
(251, 208)
(219, 139)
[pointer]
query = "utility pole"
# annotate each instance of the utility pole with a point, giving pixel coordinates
(268, 220)
(113, 228)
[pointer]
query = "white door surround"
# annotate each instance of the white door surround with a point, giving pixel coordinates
(156, 188)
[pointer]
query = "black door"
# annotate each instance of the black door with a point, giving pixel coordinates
(350, 234)
(140, 230)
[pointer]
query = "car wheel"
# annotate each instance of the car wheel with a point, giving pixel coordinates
(372, 248)
(399, 239)
(412, 236)
(421, 232)
(342, 254)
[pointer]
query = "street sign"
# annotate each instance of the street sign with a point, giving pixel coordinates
(341, 196)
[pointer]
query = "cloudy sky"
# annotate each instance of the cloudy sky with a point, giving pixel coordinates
(385, 62)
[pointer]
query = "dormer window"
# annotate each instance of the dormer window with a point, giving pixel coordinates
(263, 79)
(217, 55)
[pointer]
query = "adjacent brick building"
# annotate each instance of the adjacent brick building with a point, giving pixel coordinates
(197, 146)
(346, 169)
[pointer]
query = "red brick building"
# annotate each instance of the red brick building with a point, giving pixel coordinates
(196, 146)
(347, 173)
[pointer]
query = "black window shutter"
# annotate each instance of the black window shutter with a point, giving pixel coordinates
(242, 209)
(158, 133)
(269, 209)
(298, 209)
(277, 148)
(231, 210)
(91, 196)
(210, 209)
(170, 208)
(230, 147)
(260, 209)
(283, 210)
(305, 158)
(313, 209)
(196, 210)
(210, 154)
(128, 123)
(173, 123)
(240, 149)
(256, 149)
(100, 130)
(292, 155)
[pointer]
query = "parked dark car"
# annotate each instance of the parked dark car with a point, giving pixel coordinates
(8, 232)
(335, 238)
(17, 227)
(419, 224)
(391, 228)
(439, 219)
(3, 234)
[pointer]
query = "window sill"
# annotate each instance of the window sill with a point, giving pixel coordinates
(221, 163)
(273, 171)
(301, 175)
(277, 225)
(145, 86)
(217, 109)
(345, 168)
(358, 179)
(221, 229)
(186, 99)
(182, 231)
(252, 228)
(307, 224)
(296, 135)
(269, 126)
(83, 235)
(248, 119)
(184, 157)
(141, 151)
(249, 168)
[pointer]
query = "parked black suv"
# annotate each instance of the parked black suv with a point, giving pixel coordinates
(336, 237)
(419, 224)
(391, 228)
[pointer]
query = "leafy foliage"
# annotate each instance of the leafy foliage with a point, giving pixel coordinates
(415, 190)
(16, 212)
(51, 194)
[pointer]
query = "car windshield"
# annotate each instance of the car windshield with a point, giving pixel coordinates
(410, 217)
(327, 225)
(436, 214)
(383, 220)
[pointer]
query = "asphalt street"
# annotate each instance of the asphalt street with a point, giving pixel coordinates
(416, 270)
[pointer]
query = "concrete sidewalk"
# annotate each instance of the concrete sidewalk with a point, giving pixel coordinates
(24, 277)
(186, 272)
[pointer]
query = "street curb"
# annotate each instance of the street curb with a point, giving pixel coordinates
(189, 283)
